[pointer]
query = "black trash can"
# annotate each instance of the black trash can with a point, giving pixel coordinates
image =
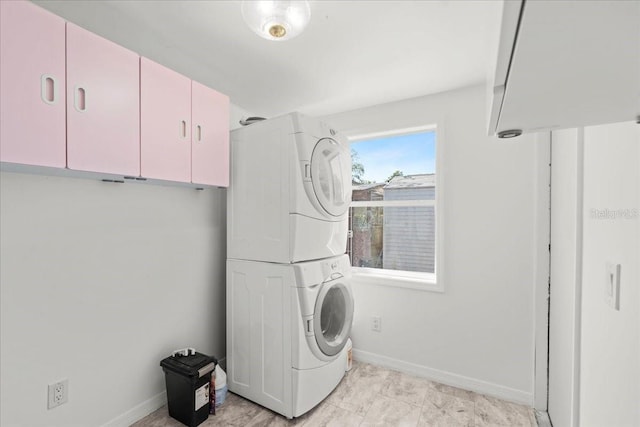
(188, 375)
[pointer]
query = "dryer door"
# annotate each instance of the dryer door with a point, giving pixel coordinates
(333, 316)
(331, 176)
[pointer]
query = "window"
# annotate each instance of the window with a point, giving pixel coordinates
(393, 214)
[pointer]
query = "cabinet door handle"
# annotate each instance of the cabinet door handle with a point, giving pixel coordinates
(80, 99)
(48, 89)
(199, 133)
(183, 129)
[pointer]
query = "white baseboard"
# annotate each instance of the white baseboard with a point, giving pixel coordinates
(138, 412)
(448, 378)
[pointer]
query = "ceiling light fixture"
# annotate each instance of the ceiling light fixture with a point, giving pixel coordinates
(276, 19)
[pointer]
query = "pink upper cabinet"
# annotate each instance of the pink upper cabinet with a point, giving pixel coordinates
(165, 123)
(210, 136)
(32, 84)
(103, 105)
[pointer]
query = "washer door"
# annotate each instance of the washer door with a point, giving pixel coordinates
(333, 316)
(331, 176)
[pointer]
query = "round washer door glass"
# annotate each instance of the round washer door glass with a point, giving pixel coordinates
(333, 317)
(331, 175)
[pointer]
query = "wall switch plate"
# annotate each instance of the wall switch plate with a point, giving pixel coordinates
(58, 393)
(612, 286)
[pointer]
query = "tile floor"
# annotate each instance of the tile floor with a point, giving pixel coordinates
(373, 396)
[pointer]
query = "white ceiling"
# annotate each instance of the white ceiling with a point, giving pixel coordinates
(353, 54)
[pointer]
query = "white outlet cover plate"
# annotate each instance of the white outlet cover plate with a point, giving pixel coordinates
(58, 393)
(376, 323)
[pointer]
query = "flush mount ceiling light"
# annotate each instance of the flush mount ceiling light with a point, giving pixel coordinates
(276, 20)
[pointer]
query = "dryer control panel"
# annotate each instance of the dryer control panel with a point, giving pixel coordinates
(313, 273)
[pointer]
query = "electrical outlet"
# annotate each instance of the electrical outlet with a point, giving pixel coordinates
(376, 323)
(58, 393)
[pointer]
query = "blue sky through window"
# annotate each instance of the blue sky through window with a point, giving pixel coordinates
(411, 154)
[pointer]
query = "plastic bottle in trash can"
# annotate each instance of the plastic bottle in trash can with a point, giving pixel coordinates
(221, 385)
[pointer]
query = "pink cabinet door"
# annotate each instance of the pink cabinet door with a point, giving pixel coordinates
(32, 85)
(209, 136)
(103, 105)
(165, 123)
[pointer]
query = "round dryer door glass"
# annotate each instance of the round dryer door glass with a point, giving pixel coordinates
(331, 176)
(333, 317)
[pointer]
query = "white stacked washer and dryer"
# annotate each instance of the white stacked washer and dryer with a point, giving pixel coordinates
(289, 299)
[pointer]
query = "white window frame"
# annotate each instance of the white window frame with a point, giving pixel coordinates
(421, 281)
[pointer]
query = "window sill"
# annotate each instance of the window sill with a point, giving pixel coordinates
(397, 279)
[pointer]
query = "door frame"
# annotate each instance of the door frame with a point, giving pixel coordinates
(542, 259)
(566, 404)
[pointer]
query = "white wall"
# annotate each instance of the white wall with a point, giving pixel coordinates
(610, 341)
(99, 282)
(480, 332)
